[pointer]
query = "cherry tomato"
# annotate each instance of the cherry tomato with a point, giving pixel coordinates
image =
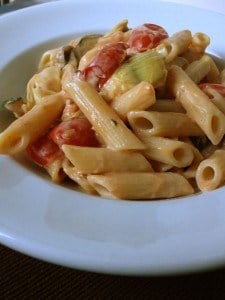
(104, 64)
(43, 151)
(205, 87)
(146, 36)
(75, 131)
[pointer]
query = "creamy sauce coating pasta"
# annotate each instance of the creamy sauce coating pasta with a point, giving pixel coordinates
(133, 114)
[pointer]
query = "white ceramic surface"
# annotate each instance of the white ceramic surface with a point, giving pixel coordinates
(216, 5)
(67, 227)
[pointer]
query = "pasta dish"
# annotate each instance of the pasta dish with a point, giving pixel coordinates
(133, 114)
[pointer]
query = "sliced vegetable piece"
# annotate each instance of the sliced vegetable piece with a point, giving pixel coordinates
(147, 66)
(69, 56)
(75, 131)
(85, 44)
(206, 87)
(44, 151)
(146, 36)
(104, 64)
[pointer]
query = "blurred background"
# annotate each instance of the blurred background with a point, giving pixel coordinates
(216, 5)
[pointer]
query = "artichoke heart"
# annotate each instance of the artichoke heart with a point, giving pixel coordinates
(147, 66)
(85, 44)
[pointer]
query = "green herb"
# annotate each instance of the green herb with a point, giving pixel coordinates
(114, 122)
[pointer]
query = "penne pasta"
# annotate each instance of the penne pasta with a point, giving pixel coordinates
(214, 72)
(179, 61)
(31, 125)
(198, 106)
(132, 114)
(142, 96)
(91, 160)
(175, 45)
(167, 124)
(211, 171)
(215, 97)
(77, 177)
(166, 105)
(160, 167)
(198, 69)
(199, 42)
(103, 118)
(219, 102)
(197, 47)
(168, 151)
(190, 172)
(137, 186)
(203, 68)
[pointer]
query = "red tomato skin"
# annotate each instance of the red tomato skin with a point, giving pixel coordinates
(43, 151)
(104, 64)
(146, 36)
(215, 86)
(75, 131)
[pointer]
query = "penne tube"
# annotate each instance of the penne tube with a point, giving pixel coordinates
(175, 45)
(103, 118)
(198, 69)
(31, 125)
(167, 124)
(198, 45)
(179, 61)
(199, 42)
(140, 97)
(190, 172)
(198, 106)
(166, 105)
(211, 171)
(140, 186)
(168, 151)
(205, 67)
(154, 102)
(215, 97)
(219, 101)
(91, 160)
(214, 72)
(160, 167)
(77, 177)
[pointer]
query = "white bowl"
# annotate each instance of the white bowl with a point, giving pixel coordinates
(70, 228)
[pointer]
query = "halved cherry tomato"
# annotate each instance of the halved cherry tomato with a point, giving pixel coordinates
(104, 64)
(205, 87)
(75, 131)
(43, 151)
(146, 36)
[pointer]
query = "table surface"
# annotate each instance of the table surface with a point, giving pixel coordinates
(23, 277)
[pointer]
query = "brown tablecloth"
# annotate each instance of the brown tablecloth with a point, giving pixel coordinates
(23, 277)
